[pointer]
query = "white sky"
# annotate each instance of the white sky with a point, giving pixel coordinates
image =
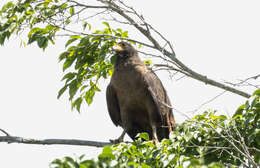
(217, 38)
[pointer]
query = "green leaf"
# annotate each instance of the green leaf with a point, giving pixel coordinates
(214, 117)
(124, 34)
(240, 110)
(70, 41)
(82, 156)
(63, 55)
(145, 165)
(4, 27)
(8, 5)
(94, 86)
(73, 88)
(2, 38)
(64, 5)
(257, 157)
(119, 30)
(222, 117)
(85, 24)
(107, 149)
(105, 23)
(69, 76)
(89, 96)
(83, 88)
(76, 37)
(68, 62)
(34, 30)
(5, 35)
(61, 91)
(88, 164)
(69, 159)
(85, 42)
(29, 12)
(254, 101)
(77, 104)
(143, 135)
(57, 161)
(72, 10)
(42, 42)
(257, 92)
(49, 28)
(113, 60)
(67, 21)
(133, 164)
(107, 153)
(34, 36)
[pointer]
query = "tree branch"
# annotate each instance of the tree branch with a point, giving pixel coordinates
(15, 139)
(145, 29)
(3, 131)
(245, 82)
(117, 9)
(208, 101)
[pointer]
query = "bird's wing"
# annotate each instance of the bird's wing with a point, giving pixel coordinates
(156, 88)
(113, 106)
(160, 97)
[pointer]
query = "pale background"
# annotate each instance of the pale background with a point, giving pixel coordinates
(219, 39)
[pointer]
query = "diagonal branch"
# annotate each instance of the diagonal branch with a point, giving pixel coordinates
(3, 131)
(15, 139)
(117, 9)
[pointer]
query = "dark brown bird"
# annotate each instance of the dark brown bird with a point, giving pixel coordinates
(136, 98)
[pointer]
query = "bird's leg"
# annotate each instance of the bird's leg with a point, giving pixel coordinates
(124, 126)
(120, 139)
(155, 137)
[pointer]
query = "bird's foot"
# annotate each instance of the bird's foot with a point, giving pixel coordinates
(156, 142)
(120, 139)
(116, 141)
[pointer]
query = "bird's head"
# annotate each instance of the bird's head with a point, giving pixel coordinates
(124, 49)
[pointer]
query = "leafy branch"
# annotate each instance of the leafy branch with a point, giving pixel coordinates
(146, 28)
(88, 56)
(207, 139)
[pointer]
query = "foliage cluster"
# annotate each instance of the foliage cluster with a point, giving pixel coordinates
(88, 56)
(92, 59)
(208, 140)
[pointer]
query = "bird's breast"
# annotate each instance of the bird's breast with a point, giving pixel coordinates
(129, 79)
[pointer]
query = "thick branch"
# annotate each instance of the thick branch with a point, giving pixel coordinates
(116, 8)
(209, 81)
(15, 139)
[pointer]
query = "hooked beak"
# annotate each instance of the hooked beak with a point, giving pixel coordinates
(117, 47)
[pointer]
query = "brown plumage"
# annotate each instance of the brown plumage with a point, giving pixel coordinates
(136, 98)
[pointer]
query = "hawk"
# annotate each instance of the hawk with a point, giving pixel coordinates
(136, 98)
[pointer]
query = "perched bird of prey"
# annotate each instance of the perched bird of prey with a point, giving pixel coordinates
(136, 98)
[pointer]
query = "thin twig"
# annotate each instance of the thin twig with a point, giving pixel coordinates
(235, 147)
(171, 68)
(207, 102)
(104, 35)
(234, 156)
(245, 81)
(243, 144)
(4, 132)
